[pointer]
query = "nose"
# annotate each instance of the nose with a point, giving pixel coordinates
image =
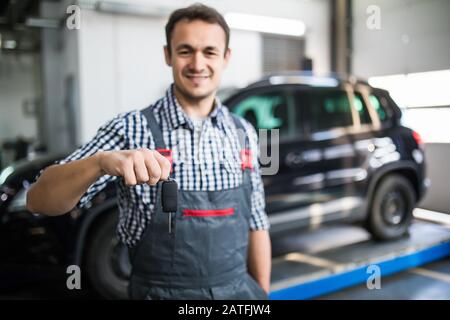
(198, 62)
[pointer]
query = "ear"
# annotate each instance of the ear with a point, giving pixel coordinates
(167, 56)
(227, 57)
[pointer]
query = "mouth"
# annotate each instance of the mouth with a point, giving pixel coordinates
(197, 79)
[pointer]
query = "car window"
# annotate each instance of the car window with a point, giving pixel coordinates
(380, 105)
(269, 110)
(327, 109)
(361, 107)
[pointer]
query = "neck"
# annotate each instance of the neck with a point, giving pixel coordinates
(196, 108)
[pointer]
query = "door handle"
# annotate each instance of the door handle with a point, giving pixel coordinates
(294, 159)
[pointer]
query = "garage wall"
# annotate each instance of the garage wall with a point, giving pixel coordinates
(315, 14)
(414, 37)
(437, 155)
(17, 85)
(54, 135)
(99, 99)
(59, 63)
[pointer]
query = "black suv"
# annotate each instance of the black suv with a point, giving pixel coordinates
(343, 153)
(344, 156)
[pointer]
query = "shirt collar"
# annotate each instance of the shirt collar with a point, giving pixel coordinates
(176, 115)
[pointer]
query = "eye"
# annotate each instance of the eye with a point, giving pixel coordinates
(183, 52)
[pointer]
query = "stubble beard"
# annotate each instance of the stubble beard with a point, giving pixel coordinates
(194, 99)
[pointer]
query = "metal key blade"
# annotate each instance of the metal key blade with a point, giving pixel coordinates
(170, 222)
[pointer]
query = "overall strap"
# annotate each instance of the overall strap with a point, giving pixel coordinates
(238, 123)
(154, 128)
(246, 155)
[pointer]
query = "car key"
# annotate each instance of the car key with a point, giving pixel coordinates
(169, 196)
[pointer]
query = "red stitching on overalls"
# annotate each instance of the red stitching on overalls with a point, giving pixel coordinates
(208, 213)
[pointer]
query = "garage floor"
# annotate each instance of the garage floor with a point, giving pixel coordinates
(428, 282)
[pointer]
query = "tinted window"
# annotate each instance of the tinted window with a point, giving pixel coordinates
(327, 110)
(380, 104)
(271, 110)
(361, 108)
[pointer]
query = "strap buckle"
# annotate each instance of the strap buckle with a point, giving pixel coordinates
(167, 153)
(246, 159)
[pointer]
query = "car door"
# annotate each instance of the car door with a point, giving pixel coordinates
(372, 141)
(329, 121)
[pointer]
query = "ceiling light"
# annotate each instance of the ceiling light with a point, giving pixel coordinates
(265, 24)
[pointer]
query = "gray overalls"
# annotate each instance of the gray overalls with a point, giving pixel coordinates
(205, 256)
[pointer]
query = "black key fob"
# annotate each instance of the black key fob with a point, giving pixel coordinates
(169, 196)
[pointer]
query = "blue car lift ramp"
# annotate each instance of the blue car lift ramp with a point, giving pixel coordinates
(326, 263)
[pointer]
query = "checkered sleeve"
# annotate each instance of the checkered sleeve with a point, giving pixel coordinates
(259, 219)
(110, 136)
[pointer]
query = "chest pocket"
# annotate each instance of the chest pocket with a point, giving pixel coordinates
(232, 166)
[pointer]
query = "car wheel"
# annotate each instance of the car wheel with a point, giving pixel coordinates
(107, 261)
(391, 208)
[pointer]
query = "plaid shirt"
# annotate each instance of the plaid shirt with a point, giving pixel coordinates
(203, 161)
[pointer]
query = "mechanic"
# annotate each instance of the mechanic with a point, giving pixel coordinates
(216, 245)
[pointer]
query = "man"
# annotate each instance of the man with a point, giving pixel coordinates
(216, 245)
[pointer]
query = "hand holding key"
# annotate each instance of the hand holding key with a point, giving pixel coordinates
(135, 166)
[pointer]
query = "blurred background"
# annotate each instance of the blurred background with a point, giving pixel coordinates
(66, 67)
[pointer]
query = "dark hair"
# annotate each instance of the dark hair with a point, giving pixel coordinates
(197, 11)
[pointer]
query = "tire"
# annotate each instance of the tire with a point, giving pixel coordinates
(107, 263)
(391, 208)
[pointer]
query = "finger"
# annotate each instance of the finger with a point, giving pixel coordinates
(164, 164)
(153, 169)
(140, 169)
(128, 173)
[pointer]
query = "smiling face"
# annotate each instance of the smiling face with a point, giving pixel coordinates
(198, 58)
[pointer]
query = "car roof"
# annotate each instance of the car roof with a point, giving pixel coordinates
(307, 79)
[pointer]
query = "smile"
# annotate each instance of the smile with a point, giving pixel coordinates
(197, 77)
